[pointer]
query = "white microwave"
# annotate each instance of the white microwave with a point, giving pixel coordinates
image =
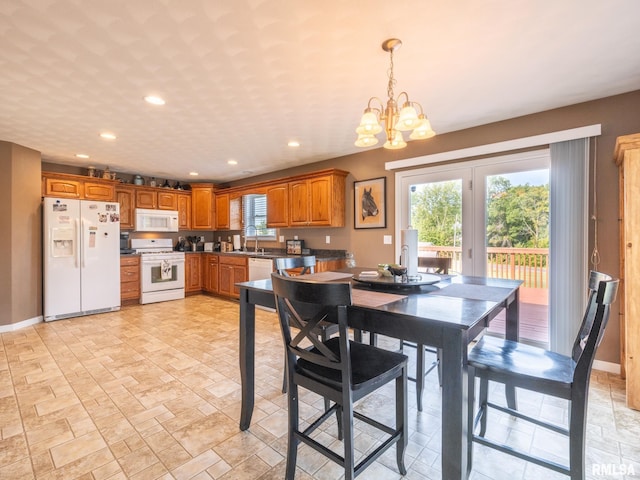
(148, 220)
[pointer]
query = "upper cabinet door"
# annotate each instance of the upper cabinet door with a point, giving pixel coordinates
(298, 203)
(125, 197)
(202, 206)
(184, 211)
(222, 211)
(146, 198)
(277, 206)
(167, 200)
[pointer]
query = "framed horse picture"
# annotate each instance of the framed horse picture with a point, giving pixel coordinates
(370, 205)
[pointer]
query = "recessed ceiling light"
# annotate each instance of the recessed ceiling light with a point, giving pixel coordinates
(232, 162)
(153, 100)
(108, 136)
(293, 143)
(82, 155)
(194, 174)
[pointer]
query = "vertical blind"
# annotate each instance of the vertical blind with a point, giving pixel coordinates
(568, 236)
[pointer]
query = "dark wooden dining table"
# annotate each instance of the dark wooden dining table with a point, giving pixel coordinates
(449, 315)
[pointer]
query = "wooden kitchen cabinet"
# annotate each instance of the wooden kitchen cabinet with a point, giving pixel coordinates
(235, 212)
(192, 272)
(167, 200)
(104, 192)
(627, 157)
(232, 270)
(278, 205)
(129, 279)
(146, 198)
(184, 211)
(318, 200)
(62, 187)
(222, 211)
(125, 196)
(202, 206)
(210, 272)
(77, 186)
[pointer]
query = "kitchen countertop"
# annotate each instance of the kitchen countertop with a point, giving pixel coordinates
(321, 255)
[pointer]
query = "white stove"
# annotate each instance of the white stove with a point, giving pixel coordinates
(162, 269)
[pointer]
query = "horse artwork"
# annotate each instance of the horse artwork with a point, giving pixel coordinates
(369, 207)
(370, 203)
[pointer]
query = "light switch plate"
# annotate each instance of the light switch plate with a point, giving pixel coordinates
(281, 238)
(387, 240)
(327, 239)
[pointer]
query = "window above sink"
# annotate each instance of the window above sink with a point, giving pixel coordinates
(254, 218)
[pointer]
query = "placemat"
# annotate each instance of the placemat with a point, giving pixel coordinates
(327, 276)
(367, 298)
(472, 291)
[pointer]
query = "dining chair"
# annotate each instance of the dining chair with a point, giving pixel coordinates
(539, 370)
(339, 369)
(303, 265)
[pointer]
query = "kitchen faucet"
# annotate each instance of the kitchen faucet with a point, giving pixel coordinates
(246, 231)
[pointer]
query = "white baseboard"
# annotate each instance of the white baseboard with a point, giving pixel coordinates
(17, 326)
(607, 366)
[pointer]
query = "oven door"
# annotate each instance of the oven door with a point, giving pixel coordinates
(160, 272)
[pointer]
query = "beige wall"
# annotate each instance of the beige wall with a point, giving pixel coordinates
(618, 115)
(20, 246)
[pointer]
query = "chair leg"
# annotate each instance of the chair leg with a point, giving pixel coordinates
(284, 376)
(470, 416)
(292, 440)
(482, 404)
(577, 427)
(420, 368)
(347, 437)
(402, 420)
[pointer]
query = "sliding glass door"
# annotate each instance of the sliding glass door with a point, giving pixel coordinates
(491, 217)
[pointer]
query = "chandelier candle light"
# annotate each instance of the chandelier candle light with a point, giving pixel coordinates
(395, 121)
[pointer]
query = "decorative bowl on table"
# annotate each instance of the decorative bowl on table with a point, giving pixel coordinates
(398, 270)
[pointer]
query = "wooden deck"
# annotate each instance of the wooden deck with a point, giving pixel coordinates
(534, 316)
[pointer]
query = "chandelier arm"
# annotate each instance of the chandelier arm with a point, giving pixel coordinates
(379, 108)
(406, 96)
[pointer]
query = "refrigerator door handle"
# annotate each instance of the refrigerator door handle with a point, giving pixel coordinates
(81, 231)
(76, 247)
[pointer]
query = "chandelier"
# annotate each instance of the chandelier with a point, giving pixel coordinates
(394, 120)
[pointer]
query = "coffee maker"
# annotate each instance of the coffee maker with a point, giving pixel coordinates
(124, 244)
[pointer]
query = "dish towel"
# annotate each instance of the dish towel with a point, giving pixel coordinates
(165, 270)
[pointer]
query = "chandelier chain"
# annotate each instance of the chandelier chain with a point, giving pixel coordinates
(392, 80)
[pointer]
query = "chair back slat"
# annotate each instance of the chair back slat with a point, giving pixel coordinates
(303, 304)
(306, 263)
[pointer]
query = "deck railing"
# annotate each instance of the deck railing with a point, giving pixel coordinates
(531, 265)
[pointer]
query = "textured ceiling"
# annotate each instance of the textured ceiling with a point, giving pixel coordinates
(241, 78)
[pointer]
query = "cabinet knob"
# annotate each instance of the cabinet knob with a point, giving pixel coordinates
(629, 245)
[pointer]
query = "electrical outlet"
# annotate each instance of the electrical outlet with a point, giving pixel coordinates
(295, 237)
(202, 238)
(281, 238)
(387, 240)
(327, 239)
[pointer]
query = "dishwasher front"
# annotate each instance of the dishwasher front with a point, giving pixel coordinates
(259, 269)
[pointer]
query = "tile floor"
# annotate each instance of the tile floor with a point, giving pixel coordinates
(154, 392)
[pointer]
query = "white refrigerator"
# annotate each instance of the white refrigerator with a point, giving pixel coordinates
(81, 257)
